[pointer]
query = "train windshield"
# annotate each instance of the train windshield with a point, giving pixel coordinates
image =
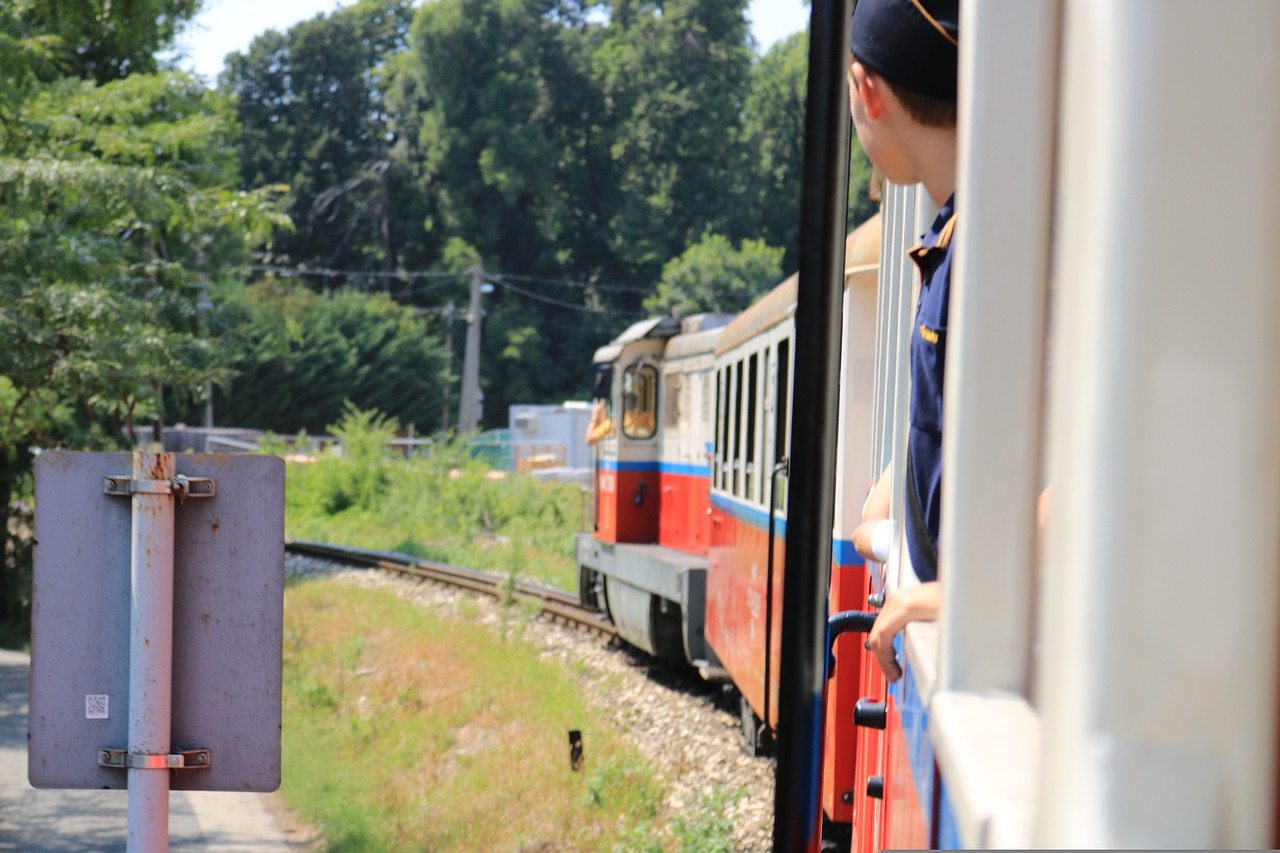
(640, 401)
(602, 385)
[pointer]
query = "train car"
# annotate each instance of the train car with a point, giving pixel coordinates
(644, 565)
(748, 493)
(745, 559)
(1104, 671)
(686, 437)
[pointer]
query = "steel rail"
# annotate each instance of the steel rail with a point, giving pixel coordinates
(554, 603)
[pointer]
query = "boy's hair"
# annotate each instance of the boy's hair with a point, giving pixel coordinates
(924, 109)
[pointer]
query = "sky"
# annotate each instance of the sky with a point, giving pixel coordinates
(230, 25)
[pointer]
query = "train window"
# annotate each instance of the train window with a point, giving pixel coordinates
(750, 480)
(640, 401)
(602, 385)
(722, 427)
(686, 399)
(673, 388)
(736, 486)
(706, 398)
(781, 410)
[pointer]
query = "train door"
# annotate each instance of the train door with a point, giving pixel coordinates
(887, 806)
(843, 744)
(629, 497)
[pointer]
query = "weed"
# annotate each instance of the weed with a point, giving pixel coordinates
(440, 506)
(709, 827)
(313, 695)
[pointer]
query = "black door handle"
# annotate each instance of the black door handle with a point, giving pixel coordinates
(845, 622)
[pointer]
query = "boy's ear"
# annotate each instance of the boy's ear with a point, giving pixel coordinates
(870, 91)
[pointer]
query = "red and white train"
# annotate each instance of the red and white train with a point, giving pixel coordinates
(691, 492)
(1105, 671)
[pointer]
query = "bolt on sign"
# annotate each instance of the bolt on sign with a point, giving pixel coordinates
(228, 602)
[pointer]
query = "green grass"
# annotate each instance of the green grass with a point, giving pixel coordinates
(411, 729)
(443, 507)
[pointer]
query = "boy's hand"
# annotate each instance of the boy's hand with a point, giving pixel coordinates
(912, 604)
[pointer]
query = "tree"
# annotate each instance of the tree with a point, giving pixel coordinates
(713, 276)
(576, 146)
(773, 124)
(101, 40)
(112, 194)
(674, 76)
(312, 106)
(512, 143)
(300, 357)
(508, 131)
(115, 197)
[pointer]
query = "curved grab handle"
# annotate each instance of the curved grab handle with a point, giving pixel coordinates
(845, 622)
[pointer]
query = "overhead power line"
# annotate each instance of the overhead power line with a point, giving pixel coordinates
(445, 278)
(331, 273)
(586, 309)
(620, 288)
(325, 272)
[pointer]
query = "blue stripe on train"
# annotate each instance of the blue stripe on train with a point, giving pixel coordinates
(846, 555)
(615, 465)
(664, 467)
(703, 471)
(757, 518)
(843, 553)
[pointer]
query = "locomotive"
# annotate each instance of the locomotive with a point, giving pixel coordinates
(1105, 670)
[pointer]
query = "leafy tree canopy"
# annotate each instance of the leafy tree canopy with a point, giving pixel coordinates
(312, 105)
(102, 40)
(573, 146)
(117, 190)
(109, 193)
(713, 276)
(302, 356)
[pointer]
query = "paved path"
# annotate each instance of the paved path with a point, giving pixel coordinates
(57, 821)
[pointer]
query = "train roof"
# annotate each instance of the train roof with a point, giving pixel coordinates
(771, 309)
(862, 247)
(697, 343)
(662, 327)
(861, 253)
(654, 327)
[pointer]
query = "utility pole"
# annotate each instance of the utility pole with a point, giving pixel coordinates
(203, 307)
(448, 326)
(469, 405)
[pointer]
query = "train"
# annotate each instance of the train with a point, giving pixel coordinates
(1104, 672)
(689, 538)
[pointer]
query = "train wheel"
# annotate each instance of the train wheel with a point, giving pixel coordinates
(757, 739)
(591, 589)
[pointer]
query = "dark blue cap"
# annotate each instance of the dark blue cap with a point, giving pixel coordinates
(913, 44)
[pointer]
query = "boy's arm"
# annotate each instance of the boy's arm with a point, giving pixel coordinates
(874, 511)
(600, 425)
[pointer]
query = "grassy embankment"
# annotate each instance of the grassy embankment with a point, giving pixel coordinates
(412, 728)
(443, 505)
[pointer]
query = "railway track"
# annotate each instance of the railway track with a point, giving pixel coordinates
(555, 604)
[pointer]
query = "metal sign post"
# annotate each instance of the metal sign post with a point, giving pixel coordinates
(156, 622)
(150, 651)
(151, 489)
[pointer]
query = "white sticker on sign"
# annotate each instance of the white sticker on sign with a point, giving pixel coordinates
(95, 706)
